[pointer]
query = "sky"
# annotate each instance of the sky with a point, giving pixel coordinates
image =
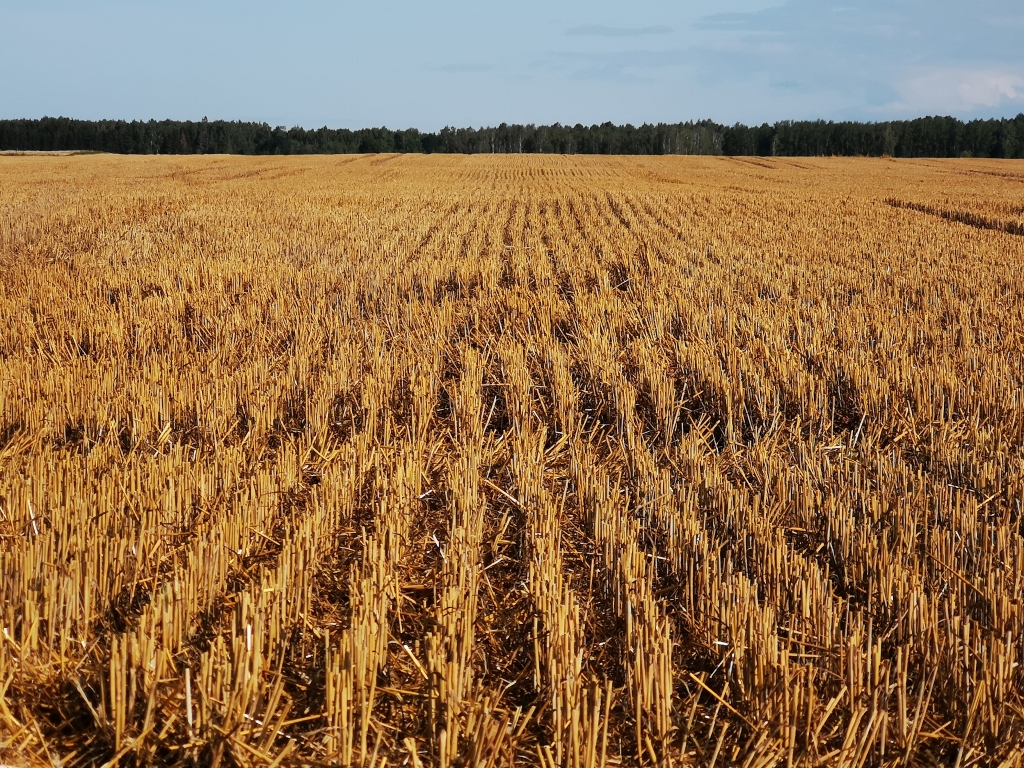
(471, 63)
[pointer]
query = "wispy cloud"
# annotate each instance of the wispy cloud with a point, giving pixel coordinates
(961, 89)
(599, 30)
(467, 68)
(631, 66)
(728, 21)
(873, 58)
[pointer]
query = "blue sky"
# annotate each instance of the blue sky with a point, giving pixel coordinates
(429, 64)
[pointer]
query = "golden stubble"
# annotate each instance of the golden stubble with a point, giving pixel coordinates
(560, 461)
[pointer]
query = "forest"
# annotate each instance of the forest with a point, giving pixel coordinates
(921, 137)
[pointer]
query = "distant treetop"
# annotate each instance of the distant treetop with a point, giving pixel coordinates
(922, 137)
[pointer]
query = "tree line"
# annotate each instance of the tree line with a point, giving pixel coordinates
(921, 137)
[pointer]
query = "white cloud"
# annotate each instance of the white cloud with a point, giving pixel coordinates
(951, 90)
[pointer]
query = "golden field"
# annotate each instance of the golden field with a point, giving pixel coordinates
(491, 461)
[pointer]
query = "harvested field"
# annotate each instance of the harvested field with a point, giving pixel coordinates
(484, 461)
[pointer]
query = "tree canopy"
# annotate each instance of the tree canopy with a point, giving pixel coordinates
(922, 137)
